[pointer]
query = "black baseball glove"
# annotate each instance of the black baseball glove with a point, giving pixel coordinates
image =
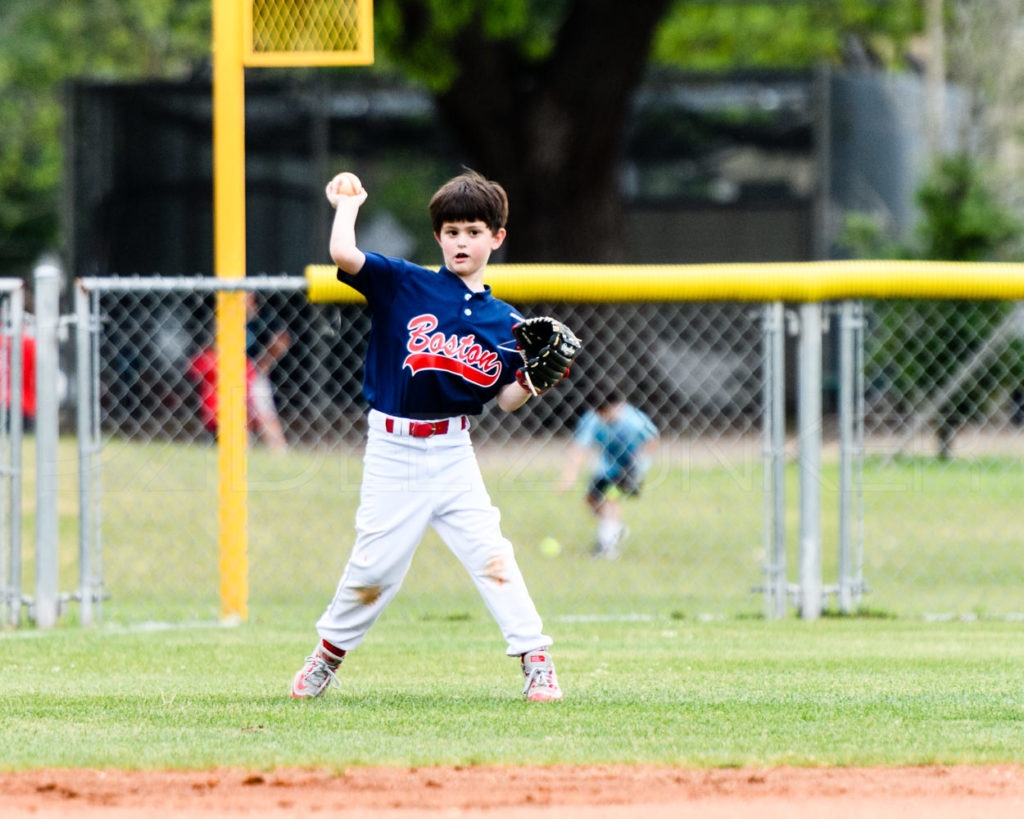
(548, 348)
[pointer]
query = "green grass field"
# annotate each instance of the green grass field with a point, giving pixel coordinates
(664, 654)
(941, 539)
(731, 693)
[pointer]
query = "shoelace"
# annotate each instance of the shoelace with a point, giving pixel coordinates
(320, 665)
(539, 676)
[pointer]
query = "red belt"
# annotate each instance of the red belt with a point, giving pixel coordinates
(424, 429)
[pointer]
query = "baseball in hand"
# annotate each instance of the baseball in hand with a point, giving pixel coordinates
(347, 184)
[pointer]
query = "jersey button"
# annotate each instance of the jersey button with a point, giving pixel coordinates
(468, 296)
(468, 312)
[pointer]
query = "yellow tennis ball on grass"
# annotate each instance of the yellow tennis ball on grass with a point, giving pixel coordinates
(549, 547)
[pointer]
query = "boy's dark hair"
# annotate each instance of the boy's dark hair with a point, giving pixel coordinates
(604, 394)
(467, 198)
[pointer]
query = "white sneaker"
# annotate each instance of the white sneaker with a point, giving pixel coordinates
(610, 549)
(541, 682)
(315, 677)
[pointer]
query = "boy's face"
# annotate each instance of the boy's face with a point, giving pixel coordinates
(467, 246)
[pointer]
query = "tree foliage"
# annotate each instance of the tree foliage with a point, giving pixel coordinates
(42, 43)
(726, 36)
(927, 345)
(693, 35)
(537, 90)
(539, 93)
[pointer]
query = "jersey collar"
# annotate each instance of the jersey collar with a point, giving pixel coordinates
(483, 294)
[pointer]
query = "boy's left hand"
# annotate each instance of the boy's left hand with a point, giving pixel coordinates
(548, 348)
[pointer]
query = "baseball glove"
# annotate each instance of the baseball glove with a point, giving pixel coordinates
(548, 348)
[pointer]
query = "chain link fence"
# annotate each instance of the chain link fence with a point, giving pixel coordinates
(696, 531)
(943, 475)
(938, 466)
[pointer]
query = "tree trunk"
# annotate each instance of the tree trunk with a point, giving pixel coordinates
(553, 133)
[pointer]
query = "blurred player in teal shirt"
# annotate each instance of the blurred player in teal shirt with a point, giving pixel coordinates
(623, 438)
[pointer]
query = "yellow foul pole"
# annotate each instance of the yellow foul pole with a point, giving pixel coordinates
(229, 262)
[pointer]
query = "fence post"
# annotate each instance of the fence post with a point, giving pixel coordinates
(809, 411)
(47, 302)
(851, 452)
(84, 397)
(15, 365)
(774, 430)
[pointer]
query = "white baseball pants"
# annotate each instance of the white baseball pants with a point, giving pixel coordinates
(410, 483)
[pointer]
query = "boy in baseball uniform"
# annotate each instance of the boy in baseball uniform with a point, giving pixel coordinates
(440, 347)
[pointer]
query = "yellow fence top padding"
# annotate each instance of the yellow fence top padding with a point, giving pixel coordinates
(758, 282)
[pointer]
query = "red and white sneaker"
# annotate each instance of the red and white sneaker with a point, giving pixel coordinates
(315, 677)
(541, 682)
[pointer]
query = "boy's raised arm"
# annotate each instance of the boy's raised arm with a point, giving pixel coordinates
(346, 195)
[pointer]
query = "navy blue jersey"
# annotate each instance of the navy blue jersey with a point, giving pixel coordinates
(436, 348)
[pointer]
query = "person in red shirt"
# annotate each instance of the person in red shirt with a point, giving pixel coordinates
(262, 356)
(28, 377)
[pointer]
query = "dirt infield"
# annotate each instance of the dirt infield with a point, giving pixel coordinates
(592, 792)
